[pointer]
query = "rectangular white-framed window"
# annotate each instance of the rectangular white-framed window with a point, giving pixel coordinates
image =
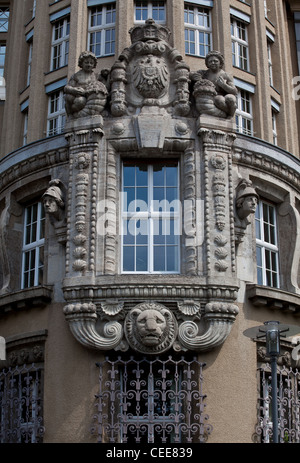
(270, 64)
(240, 45)
(4, 18)
(197, 30)
(2, 58)
(155, 10)
(274, 127)
(33, 246)
(25, 127)
(60, 43)
(243, 115)
(56, 113)
(102, 29)
(267, 252)
(151, 217)
(29, 61)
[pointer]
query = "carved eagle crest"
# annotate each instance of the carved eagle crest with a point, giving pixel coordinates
(151, 76)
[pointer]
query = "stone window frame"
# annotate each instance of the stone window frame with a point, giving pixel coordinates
(151, 216)
(148, 6)
(102, 29)
(60, 43)
(239, 44)
(266, 246)
(198, 29)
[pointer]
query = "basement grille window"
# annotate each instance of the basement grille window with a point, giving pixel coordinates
(151, 401)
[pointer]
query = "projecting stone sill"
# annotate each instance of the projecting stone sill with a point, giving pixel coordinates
(273, 298)
(38, 296)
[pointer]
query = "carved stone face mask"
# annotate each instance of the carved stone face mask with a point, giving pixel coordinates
(150, 326)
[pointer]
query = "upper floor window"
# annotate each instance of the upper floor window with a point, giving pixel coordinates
(243, 116)
(60, 43)
(4, 18)
(2, 58)
(239, 41)
(197, 30)
(274, 126)
(266, 245)
(33, 246)
(29, 61)
(102, 30)
(150, 218)
(56, 113)
(270, 64)
(144, 10)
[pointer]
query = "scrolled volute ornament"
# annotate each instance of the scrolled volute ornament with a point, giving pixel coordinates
(219, 318)
(82, 318)
(150, 328)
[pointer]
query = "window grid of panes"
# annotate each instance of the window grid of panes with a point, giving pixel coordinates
(60, 43)
(243, 115)
(102, 30)
(197, 30)
(4, 18)
(33, 246)
(239, 41)
(150, 218)
(56, 113)
(266, 245)
(144, 10)
(270, 65)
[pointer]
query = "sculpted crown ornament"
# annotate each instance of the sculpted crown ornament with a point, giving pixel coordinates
(149, 31)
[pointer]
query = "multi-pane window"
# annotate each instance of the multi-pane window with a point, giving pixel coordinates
(266, 245)
(270, 65)
(56, 113)
(239, 41)
(33, 246)
(274, 126)
(30, 47)
(197, 30)
(150, 218)
(2, 58)
(102, 30)
(144, 10)
(243, 115)
(25, 128)
(60, 43)
(4, 18)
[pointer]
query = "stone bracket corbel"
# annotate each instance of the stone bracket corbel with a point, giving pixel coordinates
(82, 318)
(219, 318)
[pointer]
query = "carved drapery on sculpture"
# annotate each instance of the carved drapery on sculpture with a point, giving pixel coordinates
(142, 107)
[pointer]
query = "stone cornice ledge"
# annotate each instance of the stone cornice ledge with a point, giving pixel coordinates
(273, 298)
(37, 296)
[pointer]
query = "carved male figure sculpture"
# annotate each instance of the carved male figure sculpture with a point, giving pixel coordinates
(246, 199)
(53, 200)
(214, 89)
(85, 95)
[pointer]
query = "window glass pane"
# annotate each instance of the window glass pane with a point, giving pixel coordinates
(141, 258)
(159, 259)
(128, 259)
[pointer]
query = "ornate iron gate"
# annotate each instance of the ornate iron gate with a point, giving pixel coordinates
(288, 400)
(151, 400)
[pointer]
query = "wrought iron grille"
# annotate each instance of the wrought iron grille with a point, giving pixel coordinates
(151, 400)
(288, 400)
(21, 404)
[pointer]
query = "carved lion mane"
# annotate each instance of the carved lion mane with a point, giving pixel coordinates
(163, 338)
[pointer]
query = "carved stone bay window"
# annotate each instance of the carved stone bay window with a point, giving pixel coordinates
(158, 400)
